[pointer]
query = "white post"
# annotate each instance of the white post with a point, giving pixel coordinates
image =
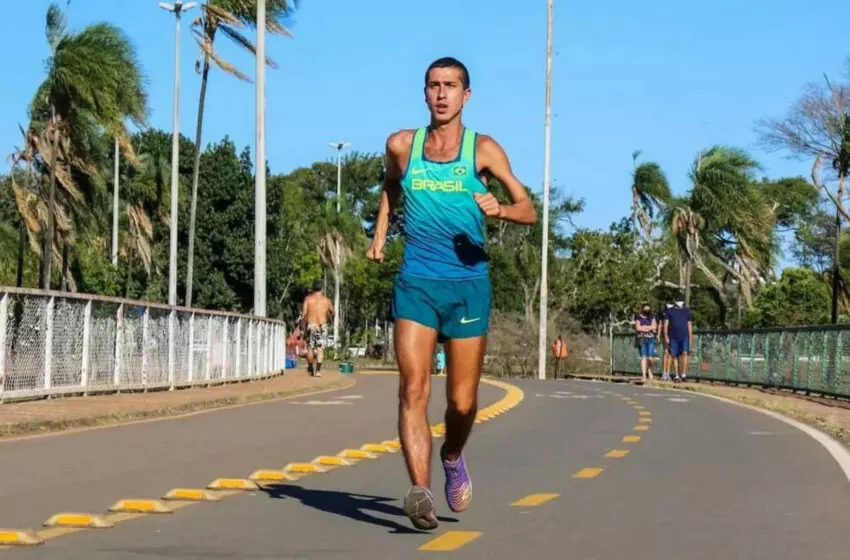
(119, 341)
(48, 343)
(260, 167)
(250, 347)
(145, 326)
(84, 367)
(4, 319)
(115, 179)
(237, 371)
(191, 347)
(172, 342)
(224, 344)
(208, 360)
(544, 256)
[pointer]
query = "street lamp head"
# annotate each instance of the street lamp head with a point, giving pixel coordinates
(339, 145)
(166, 6)
(188, 6)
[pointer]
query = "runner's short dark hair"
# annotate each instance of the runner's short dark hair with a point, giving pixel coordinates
(449, 62)
(317, 286)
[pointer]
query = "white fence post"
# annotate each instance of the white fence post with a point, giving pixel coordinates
(145, 318)
(224, 344)
(119, 342)
(192, 347)
(208, 361)
(48, 343)
(172, 319)
(250, 347)
(86, 360)
(238, 361)
(4, 318)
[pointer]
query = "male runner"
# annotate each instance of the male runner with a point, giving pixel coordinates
(443, 288)
(314, 313)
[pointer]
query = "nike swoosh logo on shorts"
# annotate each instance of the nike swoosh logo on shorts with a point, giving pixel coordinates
(465, 321)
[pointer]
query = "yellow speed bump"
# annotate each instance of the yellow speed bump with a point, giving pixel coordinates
(393, 444)
(329, 461)
(303, 468)
(644, 413)
(631, 439)
(641, 428)
(268, 475)
(190, 495)
(86, 520)
(232, 484)
(356, 454)
(140, 506)
(645, 420)
(376, 448)
(11, 537)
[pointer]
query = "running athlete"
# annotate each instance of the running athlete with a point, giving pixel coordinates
(443, 288)
(314, 313)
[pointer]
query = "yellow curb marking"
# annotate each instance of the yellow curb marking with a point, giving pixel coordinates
(11, 537)
(534, 500)
(645, 420)
(356, 454)
(191, 495)
(393, 444)
(330, 461)
(640, 408)
(376, 448)
(590, 472)
(303, 468)
(645, 413)
(268, 475)
(77, 520)
(232, 484)
(452, 540)
(631, 439)
(140, 506)
(616, 454)
(641, 428)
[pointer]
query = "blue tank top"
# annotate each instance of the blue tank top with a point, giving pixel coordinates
(443, 225)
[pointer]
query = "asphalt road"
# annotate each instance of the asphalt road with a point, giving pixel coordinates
(705, 480)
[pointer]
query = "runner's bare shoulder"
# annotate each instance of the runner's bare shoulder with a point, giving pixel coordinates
(399, 144)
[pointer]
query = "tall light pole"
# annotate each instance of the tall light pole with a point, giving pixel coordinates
(177, 9)
(115, 179)
(544, 251)
(260, 166)
(339, 147)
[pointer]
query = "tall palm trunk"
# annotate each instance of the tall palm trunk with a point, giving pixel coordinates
(47, 249)
(195, 172)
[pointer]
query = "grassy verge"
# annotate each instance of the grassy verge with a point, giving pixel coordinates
(48, 426)
(785, 405)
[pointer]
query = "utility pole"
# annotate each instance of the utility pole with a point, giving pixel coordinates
(115, 179)
(339, 147)
(544, 251)
(177, 9)
(260, 167)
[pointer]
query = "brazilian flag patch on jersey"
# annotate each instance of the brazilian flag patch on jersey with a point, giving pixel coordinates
(459, 171)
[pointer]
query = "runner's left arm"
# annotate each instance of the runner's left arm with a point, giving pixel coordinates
(494, 159)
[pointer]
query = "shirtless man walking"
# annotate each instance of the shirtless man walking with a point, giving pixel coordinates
(314, 316)
(443, 288)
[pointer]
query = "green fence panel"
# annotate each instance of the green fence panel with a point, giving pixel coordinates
(812, 358)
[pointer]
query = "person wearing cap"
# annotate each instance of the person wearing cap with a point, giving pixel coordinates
(679, 332)
(315, 311)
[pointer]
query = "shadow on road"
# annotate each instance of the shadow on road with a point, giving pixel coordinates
(352, 506)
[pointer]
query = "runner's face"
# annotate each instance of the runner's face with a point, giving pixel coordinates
(445, 94)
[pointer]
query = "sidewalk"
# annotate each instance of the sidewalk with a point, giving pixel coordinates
(63, 413)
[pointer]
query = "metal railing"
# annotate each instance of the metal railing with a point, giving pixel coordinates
(814, 359)
(58, 343)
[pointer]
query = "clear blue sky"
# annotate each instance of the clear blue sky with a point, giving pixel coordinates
(668, 77)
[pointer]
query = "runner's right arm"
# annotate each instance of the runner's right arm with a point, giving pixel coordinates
(397, 144)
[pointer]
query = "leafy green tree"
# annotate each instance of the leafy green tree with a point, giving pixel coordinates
(800, 297)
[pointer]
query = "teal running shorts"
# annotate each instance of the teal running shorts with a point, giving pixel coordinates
(454, 308)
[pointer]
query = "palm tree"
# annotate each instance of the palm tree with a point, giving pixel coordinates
(650, 192)
(93, 84)
(228, 17)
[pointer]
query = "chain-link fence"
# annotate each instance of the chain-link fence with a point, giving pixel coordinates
(60, 343)
(813, 359)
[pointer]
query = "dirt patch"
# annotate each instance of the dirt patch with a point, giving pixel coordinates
(57, 414)
(833, 417)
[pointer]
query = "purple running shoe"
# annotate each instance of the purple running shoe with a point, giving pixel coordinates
(458, 484)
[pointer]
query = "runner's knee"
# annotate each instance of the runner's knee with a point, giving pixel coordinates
(413, 392)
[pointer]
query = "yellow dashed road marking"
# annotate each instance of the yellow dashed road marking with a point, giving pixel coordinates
(18, 538)
(534, 500)
(631, 439)
(268, 475)
(232, 484)
(641, 428)
(645, 420)
(645, 413)
(590, 472)
(616, 453)
(451, 540)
